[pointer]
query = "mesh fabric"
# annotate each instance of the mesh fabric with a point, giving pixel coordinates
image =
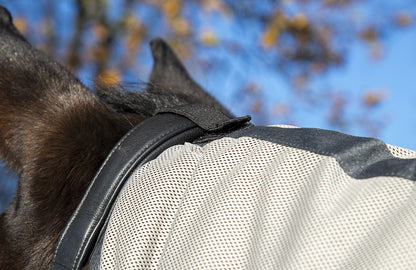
(246, 203)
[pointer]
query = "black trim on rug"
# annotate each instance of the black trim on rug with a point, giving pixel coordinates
(359, 157)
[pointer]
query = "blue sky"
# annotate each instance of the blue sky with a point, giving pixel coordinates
(396, 73)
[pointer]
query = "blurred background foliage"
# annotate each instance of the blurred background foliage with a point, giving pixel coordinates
(227, 45)
(296, 40)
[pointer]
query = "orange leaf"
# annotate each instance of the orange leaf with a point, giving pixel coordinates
(403, 19)
(369, 34)
(269, 37)
(100, 32)
(273, 30)
(374, 97)
(20, 24)
(110, 76)
(181, 26)
(300, 21)
(209, 38)
(171, 8)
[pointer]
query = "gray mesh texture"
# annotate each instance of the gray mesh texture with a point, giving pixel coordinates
(251, 204)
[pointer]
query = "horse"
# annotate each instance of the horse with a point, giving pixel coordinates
(58, 136)
(55, 133)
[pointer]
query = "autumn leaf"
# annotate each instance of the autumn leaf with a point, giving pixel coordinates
(99, 31)
(403, 19)
(133, 39)
(209, 38)
(171, 8)
(370, 34)
(109, 76)
(257, 106)
(373, 98)
(99, 53)
(300, 21)
(20, 24)
(180, 26)
(273, 29)
(269, 37)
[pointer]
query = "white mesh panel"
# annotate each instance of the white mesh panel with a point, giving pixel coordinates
(401, 152)
(246, 203)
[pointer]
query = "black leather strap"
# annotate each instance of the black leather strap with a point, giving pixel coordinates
(143, 143)
(207, 118)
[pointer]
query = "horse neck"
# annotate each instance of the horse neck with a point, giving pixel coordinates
(55, 161)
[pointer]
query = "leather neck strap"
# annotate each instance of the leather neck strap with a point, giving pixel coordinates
(143, 143)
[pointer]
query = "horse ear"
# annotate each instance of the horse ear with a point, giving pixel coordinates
(169, 76)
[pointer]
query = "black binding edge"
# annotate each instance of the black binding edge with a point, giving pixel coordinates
(143, 143)
(359, 157)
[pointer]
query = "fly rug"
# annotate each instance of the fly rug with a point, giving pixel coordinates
(257, 198)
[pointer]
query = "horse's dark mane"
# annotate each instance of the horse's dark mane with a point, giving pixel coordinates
(134, 99)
